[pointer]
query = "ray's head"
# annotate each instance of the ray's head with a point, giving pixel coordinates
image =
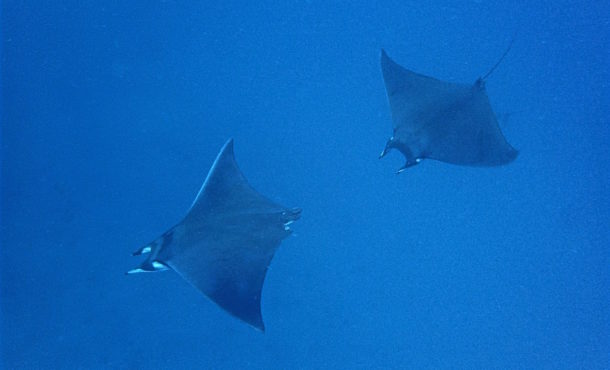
(153, 261)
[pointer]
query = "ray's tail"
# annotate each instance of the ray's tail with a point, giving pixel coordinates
(500, 60)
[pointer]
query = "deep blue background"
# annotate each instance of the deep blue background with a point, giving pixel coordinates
(113, 111)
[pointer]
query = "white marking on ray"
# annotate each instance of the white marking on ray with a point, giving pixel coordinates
(136, 271)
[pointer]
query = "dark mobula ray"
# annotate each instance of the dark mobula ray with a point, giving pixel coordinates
(225, 242)
(449, 122)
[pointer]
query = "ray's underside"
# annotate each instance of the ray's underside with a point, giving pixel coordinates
(226, 241)
(448, 122)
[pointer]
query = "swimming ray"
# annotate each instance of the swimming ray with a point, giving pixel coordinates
(448, 122)
(226, 241)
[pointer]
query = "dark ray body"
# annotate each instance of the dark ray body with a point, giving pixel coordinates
(225, 242)
(449, 122)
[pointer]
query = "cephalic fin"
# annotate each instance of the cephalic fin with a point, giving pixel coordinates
(144, 250)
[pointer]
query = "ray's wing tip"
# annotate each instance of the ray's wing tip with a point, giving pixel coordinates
(227, 150)
(384, 56)
(514, 153)
(388, 65)
(228, 145)
(254, 322)
(260, 326)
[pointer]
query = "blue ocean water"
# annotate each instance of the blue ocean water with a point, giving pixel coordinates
(112, 113)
